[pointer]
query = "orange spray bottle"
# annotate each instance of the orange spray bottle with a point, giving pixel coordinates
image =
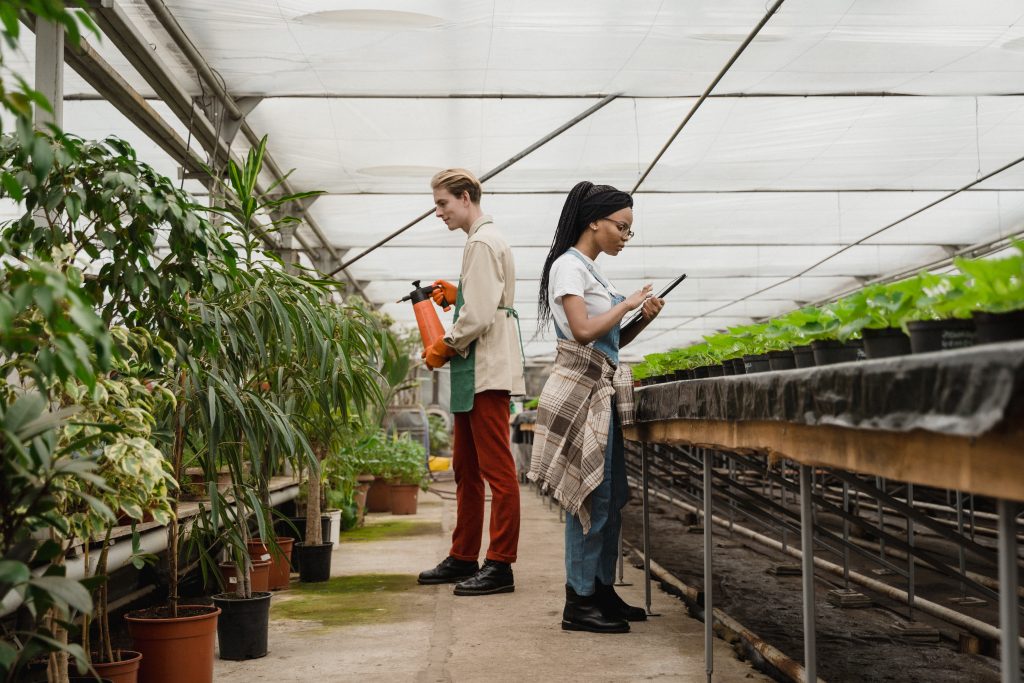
(430, 325)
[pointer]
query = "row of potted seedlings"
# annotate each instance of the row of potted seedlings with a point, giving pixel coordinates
(983, 303)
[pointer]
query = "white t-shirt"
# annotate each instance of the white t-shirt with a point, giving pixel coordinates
(569, 275)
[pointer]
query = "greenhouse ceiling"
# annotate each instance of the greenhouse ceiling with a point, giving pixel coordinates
(828, 155)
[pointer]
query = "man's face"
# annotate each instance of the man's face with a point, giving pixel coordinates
(454, 211)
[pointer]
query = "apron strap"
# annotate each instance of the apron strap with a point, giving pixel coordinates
(509, 311)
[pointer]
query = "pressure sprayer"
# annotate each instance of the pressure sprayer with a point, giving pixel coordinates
(430, 325)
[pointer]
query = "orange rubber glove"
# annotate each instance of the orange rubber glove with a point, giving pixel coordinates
(444, 294)
(438, 354)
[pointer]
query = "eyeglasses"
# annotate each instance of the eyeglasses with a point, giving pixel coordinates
(622, 227)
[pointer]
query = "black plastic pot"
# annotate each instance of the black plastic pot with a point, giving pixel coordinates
(738, 368)
(940, 335)
(299, 533)
(756, 363)
(830, 351)
(701, 372)
(885, 342)
(858, 348)
(781, 360)
(728, 368)
(804, 356)
(999, 327)
(715, 371)
(315, 565)
(242, 625)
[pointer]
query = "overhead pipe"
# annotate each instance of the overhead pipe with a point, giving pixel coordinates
(707, 91)
(487, 176)
(965, 622)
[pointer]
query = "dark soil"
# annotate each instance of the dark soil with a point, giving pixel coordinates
(852, 644)
(165, 612)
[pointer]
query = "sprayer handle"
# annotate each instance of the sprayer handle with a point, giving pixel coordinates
(442, 289)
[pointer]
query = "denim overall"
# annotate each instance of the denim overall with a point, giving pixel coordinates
(593, 555)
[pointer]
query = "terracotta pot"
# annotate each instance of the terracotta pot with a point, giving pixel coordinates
(403, 498)
(175, 650)
(280, 565)
(125, 670)
(378, 498)
(259, 578)
(359, 496)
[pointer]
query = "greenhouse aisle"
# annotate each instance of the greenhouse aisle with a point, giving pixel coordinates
(372, 622)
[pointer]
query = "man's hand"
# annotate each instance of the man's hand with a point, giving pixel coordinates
(438, 354)
(444, 294)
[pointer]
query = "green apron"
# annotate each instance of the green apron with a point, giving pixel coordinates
(463, 370)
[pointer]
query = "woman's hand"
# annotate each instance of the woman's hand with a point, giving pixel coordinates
(652, 307)
(637, 298)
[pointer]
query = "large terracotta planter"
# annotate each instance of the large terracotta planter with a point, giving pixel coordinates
(280, 565)
(363, 483)
(378, 498)
(126, 670)
(259, 578)
(175, 650)
(404, 498)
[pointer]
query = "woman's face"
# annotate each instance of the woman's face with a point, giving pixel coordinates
(613, 231)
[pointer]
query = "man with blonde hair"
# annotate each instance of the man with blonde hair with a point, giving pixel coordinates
(485, 352)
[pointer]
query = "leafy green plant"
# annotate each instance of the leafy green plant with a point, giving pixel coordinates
(440, 437)
(406, 461)
(994, 285)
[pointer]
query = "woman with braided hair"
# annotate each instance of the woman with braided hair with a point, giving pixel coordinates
(577, 450)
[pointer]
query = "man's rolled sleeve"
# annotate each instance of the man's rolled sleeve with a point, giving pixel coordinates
(483, 281)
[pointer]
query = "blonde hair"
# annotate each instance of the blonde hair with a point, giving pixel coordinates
(457, 181)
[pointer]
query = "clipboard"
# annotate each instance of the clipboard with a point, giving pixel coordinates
(638, 315)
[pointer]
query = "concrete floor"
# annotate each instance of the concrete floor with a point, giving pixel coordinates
(373, 623)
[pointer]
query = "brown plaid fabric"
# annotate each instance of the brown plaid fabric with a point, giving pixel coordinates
(573, 420)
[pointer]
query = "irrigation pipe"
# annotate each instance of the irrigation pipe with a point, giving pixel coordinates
(975, 626)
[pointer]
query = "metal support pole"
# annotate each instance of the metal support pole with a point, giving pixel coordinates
(807, 574)
(1009, 626)
(732, 501)
(846, 536)
(709, 613)
(971, 513)
(960, 546)
(880, 485)
(621, 563)
(910, 555)
(647, 525)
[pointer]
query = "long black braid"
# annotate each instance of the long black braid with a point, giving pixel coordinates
(585, 204)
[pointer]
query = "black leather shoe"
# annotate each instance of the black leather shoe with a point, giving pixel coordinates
(611, 605)
(582, 613)
(493, 577)
(450, 570)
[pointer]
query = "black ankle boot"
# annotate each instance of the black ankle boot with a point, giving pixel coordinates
(450, 570)
(581, 613)
(612, 606)
(493, 577)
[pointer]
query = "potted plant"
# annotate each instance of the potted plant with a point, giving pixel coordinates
(118, 414)
(876, 312)
(407, 473)
(995, 292)
(42, 462)
(940, 317)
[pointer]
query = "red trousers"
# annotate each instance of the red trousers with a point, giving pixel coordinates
(482, 452)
